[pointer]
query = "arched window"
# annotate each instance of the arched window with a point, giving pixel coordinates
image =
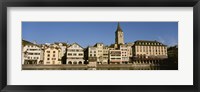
(79, 62)
(69, 62)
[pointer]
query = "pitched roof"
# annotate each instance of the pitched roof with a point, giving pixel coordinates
(64, 44)
(148, 43)
(118, 28)
(25, 42)
(76, 44)
(98, 43)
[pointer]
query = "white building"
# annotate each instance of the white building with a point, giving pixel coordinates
(32, 54)
(115, 57)
(75, 54)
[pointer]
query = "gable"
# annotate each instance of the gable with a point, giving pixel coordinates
(75, 46)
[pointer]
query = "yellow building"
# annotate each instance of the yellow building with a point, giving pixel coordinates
(51, 55)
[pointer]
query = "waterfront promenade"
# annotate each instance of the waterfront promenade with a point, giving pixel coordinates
(97, 67)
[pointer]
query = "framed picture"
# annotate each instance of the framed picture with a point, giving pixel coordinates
(74, 45)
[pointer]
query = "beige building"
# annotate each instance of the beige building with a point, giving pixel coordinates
(92, 51)
(105, 55)
(99, 47)
(92, 55)
(102, 53)
(149, 50)
(63, 47)
(130, 51)
(51, 55)
(75, 54)
(124, 53)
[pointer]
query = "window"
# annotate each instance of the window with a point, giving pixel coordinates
(37, 53)
(48, 51)
(74, 54)
(54, 51)
(54, 55)
(47, 58)
(80, 54)
(48, 55)
(53, 58)
(90, 54)
(69, 54)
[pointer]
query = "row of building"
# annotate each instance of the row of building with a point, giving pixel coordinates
(140, 51)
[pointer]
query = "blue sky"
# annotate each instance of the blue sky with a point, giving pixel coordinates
(89, 33)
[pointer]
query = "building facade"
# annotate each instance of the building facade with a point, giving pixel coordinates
(105, 55)
(149, 51)
(124, 53)
(115, 57)
(75, 54)
(32, 54)
(51, 56)
(92, 55)
(63, 47)
(99, 47)
(141, 51)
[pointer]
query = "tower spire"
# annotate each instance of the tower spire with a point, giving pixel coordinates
(118, 27)
(119, 36)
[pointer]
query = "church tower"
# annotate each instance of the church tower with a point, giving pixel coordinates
(119, 35)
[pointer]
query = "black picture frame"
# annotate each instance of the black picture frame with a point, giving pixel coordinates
(98, 3)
